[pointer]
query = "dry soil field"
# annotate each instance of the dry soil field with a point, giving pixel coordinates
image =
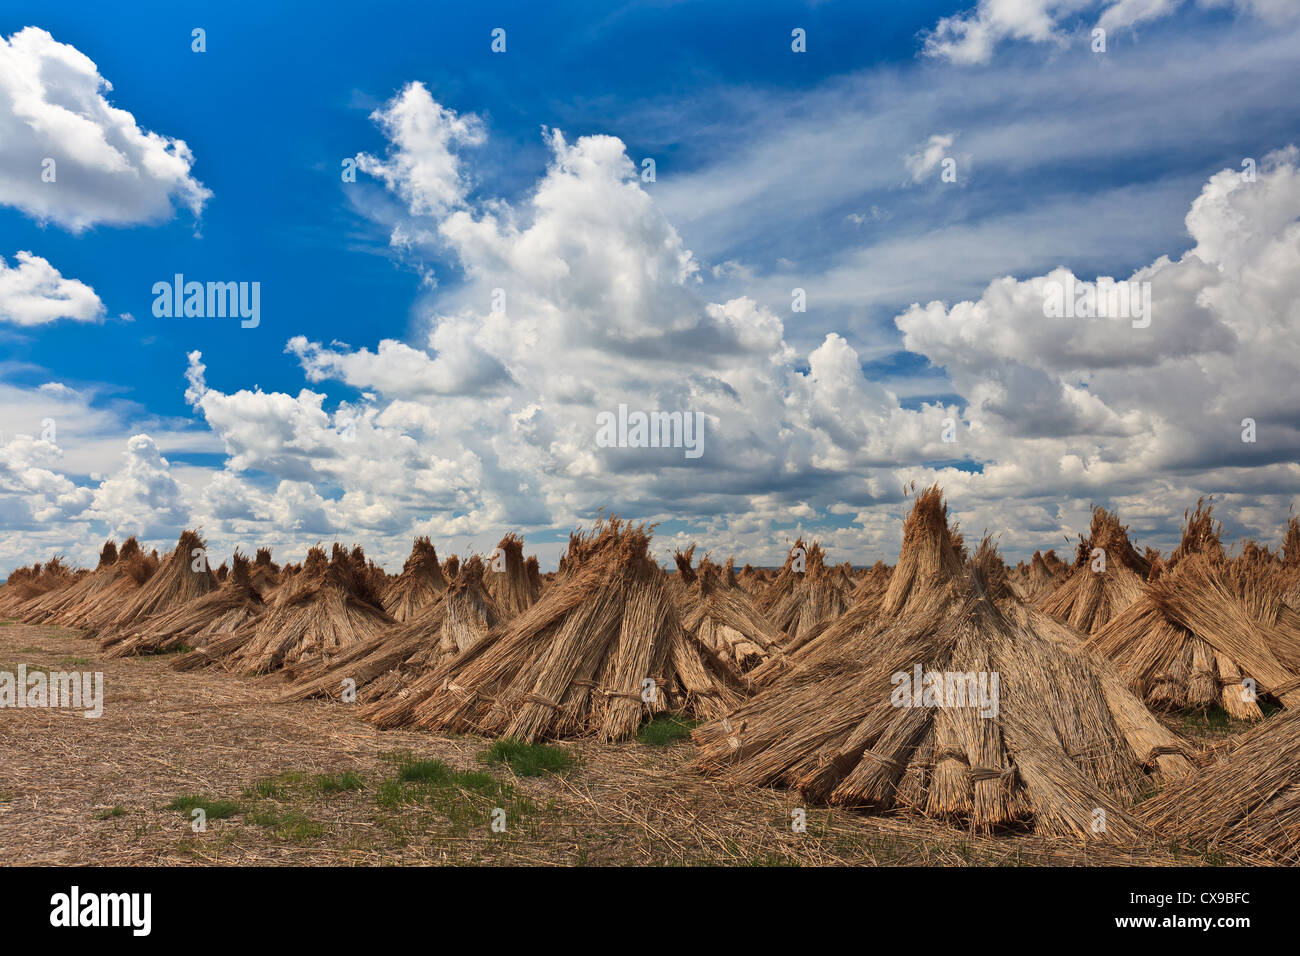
(307, 783)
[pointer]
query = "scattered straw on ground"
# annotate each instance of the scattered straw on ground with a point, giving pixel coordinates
(79, 791)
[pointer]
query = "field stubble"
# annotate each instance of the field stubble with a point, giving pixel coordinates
(307, 783)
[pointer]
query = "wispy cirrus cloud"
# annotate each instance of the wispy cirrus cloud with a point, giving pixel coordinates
(972, 37)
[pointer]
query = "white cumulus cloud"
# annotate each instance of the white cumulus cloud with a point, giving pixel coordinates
(33, 292)
(421, 165)
(106, 167)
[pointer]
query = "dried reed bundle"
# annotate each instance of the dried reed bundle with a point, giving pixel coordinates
(183, 577)
(1156, 562)
(729, 578)
(106, 591)
(26, 586)
(1291, 563)
(721, 616)
(1271, 594)
(679, 584)
(872, 585)
(1199, 598)
(534, 572)
(930, 558)
(1065, 740)
(18, 578)
(376, 578)
(1089, 599)
(1190, 641)
(1263, 584)
(48, 607)
(1036, 580)
(754, 580)
(1201, 534)
(1055, 565)
(1291, 543)
(513, 589)
(805, 593)
(580, 659)
(381, 667)
(266, 574)
(1248, 801)
(326, 609)
(419, 585)
(296, 577)
(848, 578)
(194, 623)
(932, 553)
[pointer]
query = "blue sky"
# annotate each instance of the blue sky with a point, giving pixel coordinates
(282, 95)
(775, 170)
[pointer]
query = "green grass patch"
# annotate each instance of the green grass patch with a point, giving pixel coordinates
(339, 782)
(390, 795)
(213, 809)
(465, 797)
(110, 813)
(528, 760)
(274, 788)
(265, 789)
(292, 826)
(665, 730)
(1215, 718)
(432, 772)
(73, 661)
(298, 828)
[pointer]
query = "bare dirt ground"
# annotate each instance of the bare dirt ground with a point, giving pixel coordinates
(308, 783)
